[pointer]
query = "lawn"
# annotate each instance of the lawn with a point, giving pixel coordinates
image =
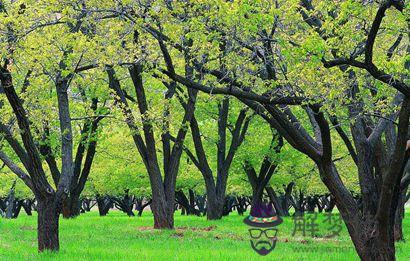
(118, 237)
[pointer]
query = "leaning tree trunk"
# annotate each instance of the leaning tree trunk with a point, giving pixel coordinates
(47, 230)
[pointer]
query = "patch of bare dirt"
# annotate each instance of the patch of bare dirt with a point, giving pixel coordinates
(27, 228)
(181, 229)
(178, 235)
(200, 229)
(145, 228)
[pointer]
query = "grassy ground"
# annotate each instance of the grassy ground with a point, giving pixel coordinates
(118, 237)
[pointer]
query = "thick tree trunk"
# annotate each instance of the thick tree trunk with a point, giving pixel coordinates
(256, 197)
(365, 232)
(47, 230)
(163, 213)
(71, 206)
(374, 248)
(214, 207)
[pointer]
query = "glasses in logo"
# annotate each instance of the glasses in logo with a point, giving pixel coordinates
(257, 233)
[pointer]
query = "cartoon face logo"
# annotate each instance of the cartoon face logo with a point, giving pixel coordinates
(263, 241)
(263, 234)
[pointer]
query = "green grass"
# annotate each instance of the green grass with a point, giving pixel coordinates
(118, 237)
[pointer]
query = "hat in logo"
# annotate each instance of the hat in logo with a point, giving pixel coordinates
(263, 215)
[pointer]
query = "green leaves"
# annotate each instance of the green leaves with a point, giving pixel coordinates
(241, 39)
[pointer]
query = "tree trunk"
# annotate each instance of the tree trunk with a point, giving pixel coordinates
(163, 220)
(256, 197)
(192, 199)
(183, 202)
(372, 253)
(273, 198)
(71, 206)
(375, 248)
(27, 205)
(17, 208)
(163, 214)
(11, 200)
(104, 204)
(201, 203)
(399, 216)
(214, 207)
(10, 207)
(47, 230)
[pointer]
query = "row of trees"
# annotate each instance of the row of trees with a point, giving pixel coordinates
(319, 74)
(114, 173)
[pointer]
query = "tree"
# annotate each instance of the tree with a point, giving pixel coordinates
(216, 188)
(260, 181)
(30, 71)
(163, 190)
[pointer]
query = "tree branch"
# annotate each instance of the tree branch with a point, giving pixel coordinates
(16, 169)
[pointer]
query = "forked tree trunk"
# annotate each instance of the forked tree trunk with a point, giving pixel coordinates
(216, 188)
(104, 204)
(47, 230)
(366, 233)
